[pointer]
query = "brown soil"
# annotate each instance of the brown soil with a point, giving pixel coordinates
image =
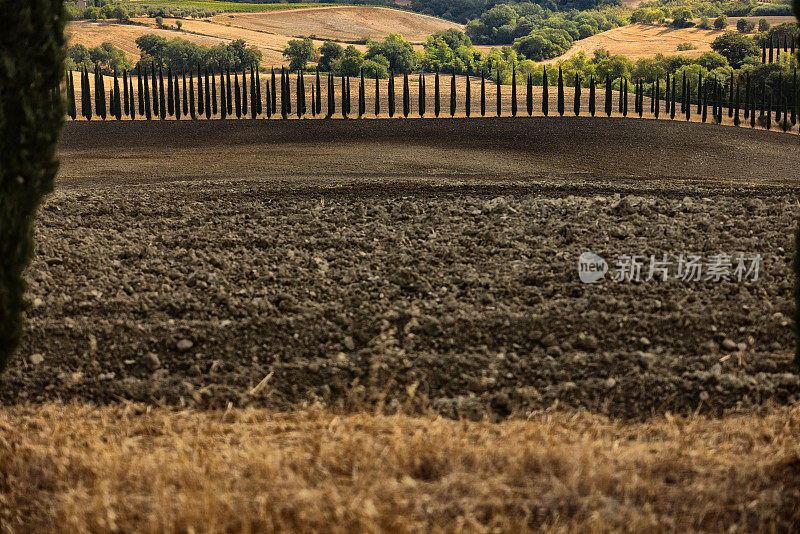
(424, 264)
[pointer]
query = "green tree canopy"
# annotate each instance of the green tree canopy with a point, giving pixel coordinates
(735, 47)
(299, 53)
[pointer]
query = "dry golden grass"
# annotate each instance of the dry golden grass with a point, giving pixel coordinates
(125, 469)
(645, 40)
(340, 23)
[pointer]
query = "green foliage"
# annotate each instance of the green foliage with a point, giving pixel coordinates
(451, 50)
(299, 53)
(721, 22)
(735, 47)
(704, 23)
(399, 53)
(464, 10)
(682, 18)
(32, 54)
(107, 56)
(745, 26)
(687, 46)
(182, 55)
(329, 53)
(763, 25)
(648, 16)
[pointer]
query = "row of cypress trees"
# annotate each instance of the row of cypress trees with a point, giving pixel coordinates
(771, 48)
(177, 97)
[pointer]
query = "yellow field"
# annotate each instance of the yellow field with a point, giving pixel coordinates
(130, 469)
(269, 31)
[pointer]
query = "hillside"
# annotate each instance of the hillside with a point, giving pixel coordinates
(269, 31)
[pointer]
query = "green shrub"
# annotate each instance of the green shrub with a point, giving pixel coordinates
(682, 47)
(32, 54)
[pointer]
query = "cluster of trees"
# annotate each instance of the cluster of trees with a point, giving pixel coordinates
(650, 10)
(122, 13)
(393, 53)
(182, 55)
(465, 10)
(556, 31)
(108, 57)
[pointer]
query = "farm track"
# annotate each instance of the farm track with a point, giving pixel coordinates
(414, 265)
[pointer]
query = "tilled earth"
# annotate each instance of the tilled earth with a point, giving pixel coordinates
(411, 293)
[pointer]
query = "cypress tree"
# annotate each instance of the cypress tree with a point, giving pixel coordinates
(170, 94)
(577, 95)
(214, 106)
(300, 82)
(254, 100)
(319, 90)
(331, 98)
(313, 101)
(362, 101)
(608, 95)
(237, 95)
(176, 94)
(529, 95)
(714, 100)
(200, 100)
(436, 95)
(274, 93)
(684, 99)
(86, 96)
(658, 96)
(268, 99)
(377, 95)
(185, 97)
(162, 104)
(406, 96)
(720, 95)
(620, 105)
(223, 106)
(545, 93)
(636, 97)
(699, 92)
(730, 98)
(130, 90)
(344, 98)
(229, 92)
(31, 118)
(468, 98)
(688, 102)
(390, 89)
(769, 110)
(453, 93)
(592, 96)
(672, 101)
(349, 100)
(127, 96)
(736, 120)
(244, 92)
(259, 107)
(103, 103)
(117, 104)
(72, 108)
(155, 91)
(625, 99)
(483, 93)
(705, 103)
(779, 98)
(421, 95)
(499, 95)
(771, 44)
(666, 96)
(785, 125)
(140, 93)
(560, 92)
(192, 108)
(98, 92)
(795, 102)
(147, 109)
(513, 90)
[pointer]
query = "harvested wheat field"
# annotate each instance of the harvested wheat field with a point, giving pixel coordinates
(645, 40)
(130, 469)
(340, 23)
